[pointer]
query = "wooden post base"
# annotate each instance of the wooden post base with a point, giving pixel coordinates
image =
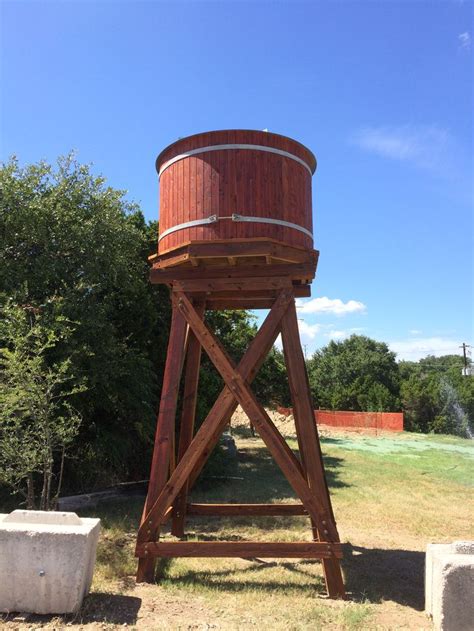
(168, 491)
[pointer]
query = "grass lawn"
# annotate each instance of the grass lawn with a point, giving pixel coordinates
(391, 496)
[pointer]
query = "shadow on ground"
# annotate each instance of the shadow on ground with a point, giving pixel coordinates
(97, 607)
(111, 608)
(259, 479)
(372, 575)
(241, 579)
(376, 575)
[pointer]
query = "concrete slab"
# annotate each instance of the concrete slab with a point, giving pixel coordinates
(449, 585)
(46, 561)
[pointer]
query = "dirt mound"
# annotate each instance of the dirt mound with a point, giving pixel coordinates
(285, 424)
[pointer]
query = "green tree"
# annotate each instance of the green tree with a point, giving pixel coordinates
(356, 374)
(37, 421)
(72, 247)
(435, 396)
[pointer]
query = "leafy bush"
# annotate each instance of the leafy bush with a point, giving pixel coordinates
(436, 397)
(73, 248)
(37, 421)
(357, 374)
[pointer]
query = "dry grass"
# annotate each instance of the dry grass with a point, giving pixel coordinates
(391, 496)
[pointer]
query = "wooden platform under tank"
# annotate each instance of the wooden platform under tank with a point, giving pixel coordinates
(236, 274)
(232, 252)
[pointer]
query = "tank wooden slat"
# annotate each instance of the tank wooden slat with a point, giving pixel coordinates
(214, 161)
(175, 236)
(166, 190)
(207, 189)
(192, 192)
(172, 205)
(183, 179)
(185, 190)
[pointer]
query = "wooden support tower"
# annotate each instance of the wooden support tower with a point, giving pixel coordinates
(271, 286)
(249, 269)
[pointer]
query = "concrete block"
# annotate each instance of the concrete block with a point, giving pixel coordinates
(46, 561)
(449, 585)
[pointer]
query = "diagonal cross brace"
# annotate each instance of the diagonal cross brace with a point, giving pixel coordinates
(259, 418)
(210, 430)
(248, 368)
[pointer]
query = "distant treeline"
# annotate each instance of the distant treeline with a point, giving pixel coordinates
(84, 334)
(362, 374)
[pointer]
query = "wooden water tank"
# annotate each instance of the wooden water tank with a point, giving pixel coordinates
(235, 186)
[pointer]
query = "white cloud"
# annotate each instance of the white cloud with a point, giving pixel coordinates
(337, 335)
(426, 147)
(308, 330)
(464, 41)
(415, 332)
(331, 305)
(416, 348)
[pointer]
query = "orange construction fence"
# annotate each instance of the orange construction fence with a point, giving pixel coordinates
(378, 421)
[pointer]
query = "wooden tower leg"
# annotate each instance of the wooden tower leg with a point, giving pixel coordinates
(308, 440)
(164, 432)
(193, 360)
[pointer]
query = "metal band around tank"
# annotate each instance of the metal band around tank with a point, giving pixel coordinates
(188, 224)
(193, 152)
(234, 217)
(276, 222)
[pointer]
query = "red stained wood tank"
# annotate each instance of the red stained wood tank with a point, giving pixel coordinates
(235, 184)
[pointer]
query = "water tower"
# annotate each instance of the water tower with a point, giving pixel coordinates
(235, 233)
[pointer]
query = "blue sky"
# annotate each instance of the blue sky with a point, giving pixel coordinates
(380, 91)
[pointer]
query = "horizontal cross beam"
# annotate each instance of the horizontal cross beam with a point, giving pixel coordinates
(214, 285)
(246, 510)
(242, 549)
